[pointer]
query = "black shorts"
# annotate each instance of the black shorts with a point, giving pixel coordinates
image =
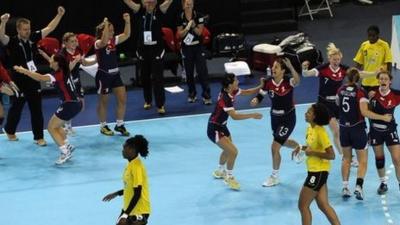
(355, 137)
(283, 126)
(389, 136)
(333, 109)
(105, 82)
(68, 110)
(315, 180)
(133, 220)
(215, 132)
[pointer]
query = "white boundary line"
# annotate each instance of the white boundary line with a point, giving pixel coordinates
(384, 200)
(163, 118)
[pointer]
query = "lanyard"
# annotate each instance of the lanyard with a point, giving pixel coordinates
(145, 20)
(23, 49)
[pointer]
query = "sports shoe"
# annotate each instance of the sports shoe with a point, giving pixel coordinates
(346, 193)
(358, 192)
(219, 174)
(41, 142)
(232, 183)
(161, 110)
(69, 131)
(122, 130)
(207, 101)
(70, 148)
(354, 162)
(11, 137)
(106, 131)
(63, 158)
(382, 189)
(192, 99)
(147, 106)
(271, 181)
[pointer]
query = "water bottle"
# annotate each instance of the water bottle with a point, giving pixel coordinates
(269, 73)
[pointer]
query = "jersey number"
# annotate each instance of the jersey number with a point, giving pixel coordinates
(71, 84)
(312, 179)
(283, 131)
(345, 104)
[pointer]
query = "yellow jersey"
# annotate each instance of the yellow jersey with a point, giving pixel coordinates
(135, 175)
(318, 140)
(373, 57)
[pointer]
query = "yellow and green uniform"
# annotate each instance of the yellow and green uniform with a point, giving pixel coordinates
(373, 57)
(318, 140)
(134, 176)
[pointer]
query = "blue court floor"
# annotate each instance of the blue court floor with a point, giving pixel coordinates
(34, 191)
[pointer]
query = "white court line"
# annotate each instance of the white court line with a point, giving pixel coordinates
(164, 118)
(384, 200)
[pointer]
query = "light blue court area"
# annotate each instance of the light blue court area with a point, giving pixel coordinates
(33, 191)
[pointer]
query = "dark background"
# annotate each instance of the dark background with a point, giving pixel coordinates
(82, 16)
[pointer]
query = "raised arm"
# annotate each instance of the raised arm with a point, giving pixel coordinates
(54, 23)
(4, 38)
(305, 72)
(33, 75)
(254, 90)
(127, 30)
(135, 7)
(105, 36)
(296, 77)
(165, 5)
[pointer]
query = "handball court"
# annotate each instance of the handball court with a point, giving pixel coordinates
(182, 189)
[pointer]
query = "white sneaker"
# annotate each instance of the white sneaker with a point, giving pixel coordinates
(63, 158)
(70, 148)
(354, 162)
(359, 193)
(271, 181)
(219, 174)
(346, 193)
(232, 183)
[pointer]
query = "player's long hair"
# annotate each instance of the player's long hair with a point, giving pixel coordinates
(321, 114)
(332, 50)
(62, 63)
(384, 72)
(228, 79)
(139, 144)
(353, 76)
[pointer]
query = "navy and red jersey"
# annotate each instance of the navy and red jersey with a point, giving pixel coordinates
(349, 98)
(281, 95)
(65, 86)
(107, 56)
(71, 57)
(329, 80)
(75, 71)
(384, 104)
(224, 104)
(4, 76)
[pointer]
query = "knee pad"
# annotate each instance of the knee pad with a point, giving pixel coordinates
(380, 162)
